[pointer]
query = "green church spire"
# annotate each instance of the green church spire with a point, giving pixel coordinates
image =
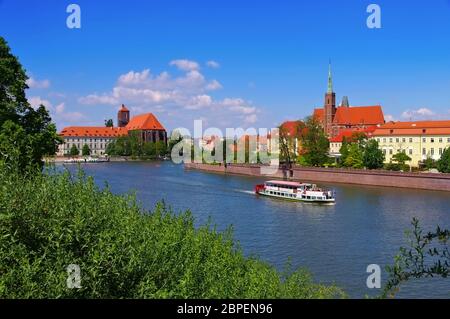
(330, 79)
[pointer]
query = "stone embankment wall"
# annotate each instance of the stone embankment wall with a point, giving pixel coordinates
(428, 181)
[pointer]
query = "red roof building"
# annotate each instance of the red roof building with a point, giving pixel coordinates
(345, 117)
(147, 126)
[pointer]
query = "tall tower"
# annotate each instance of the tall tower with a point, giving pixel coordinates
(123, 116)
(330, 105)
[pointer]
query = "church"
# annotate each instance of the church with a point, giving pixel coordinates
(147, 126)
(345, 118)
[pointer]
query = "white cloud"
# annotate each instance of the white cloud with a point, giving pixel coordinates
(421, 113)
(37, 101)
(251, 119)
(185, 65)
(199, 101)
(389, 118)
(72, 117)
(134, 77)
(59, 109)
(213, 64)
(184, 97)
(213, 85)
(98, 99)
(36, 84)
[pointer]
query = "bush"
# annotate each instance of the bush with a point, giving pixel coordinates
(48, 221)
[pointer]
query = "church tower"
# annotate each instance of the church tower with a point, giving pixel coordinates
(123, 116)
(330, 105)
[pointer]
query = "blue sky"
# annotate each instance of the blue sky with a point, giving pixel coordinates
(268, 59)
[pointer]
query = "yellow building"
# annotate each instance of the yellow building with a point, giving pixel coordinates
(419, 140)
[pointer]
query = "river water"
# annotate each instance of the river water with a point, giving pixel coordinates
(336, 243)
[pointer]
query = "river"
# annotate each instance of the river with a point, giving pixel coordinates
(336, 243)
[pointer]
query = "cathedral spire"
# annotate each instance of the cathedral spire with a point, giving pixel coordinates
(330, 79)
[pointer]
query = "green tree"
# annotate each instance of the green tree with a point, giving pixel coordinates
(443, 165)
(160, 148)
(354, 158)
(401, 158)
(429, 163)
(149, 149)
(38, 136)
(136, 143)
(373, 157)
(111, 148)
(109, 123)
(86, 151)
(315, 144)
(344, 152)
(74, 151)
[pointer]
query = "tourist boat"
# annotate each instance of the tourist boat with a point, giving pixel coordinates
(302, 192)
(87, 160)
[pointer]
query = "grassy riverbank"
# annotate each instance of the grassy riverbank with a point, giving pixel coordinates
(48, 222)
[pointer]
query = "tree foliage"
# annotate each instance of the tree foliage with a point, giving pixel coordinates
(373, 157)
(132, 145)
(354, 158)
(443, 165)
(86, 151)
(401, 158)
(315, 144)
(26, 134)
(109, 123)
(74, 151)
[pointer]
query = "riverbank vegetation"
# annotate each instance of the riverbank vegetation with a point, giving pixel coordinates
(132, 145)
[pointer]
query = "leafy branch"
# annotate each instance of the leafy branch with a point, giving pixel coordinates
(426, 256)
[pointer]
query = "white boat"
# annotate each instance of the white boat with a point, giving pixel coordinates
(295, 191)
(86, 160)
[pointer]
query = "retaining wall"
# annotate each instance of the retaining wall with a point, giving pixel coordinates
(333, 175)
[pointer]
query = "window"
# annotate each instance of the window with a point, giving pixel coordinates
(448, 139)
(410, 151)
(432, 151)
(432, 140)
(410, 140)
(384, 151)
(424, 140)
(397, 140)
(424, 151)
(404, 140)
(440, 140)
(390, 151)
(384, 140)
(390, 140)
(440, 151)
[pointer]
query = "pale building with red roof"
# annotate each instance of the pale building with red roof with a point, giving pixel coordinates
(419, 140)
(147, 126)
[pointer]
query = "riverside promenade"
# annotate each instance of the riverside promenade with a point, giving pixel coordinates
(426, 181)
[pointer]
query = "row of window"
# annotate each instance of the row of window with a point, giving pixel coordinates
(94, 147)
(410, 151)
(411, 140)
(282, 194)
(74, 140)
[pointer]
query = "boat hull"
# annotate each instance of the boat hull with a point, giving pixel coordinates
(329, 201)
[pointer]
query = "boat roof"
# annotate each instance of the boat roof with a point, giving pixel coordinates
(286, 183)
